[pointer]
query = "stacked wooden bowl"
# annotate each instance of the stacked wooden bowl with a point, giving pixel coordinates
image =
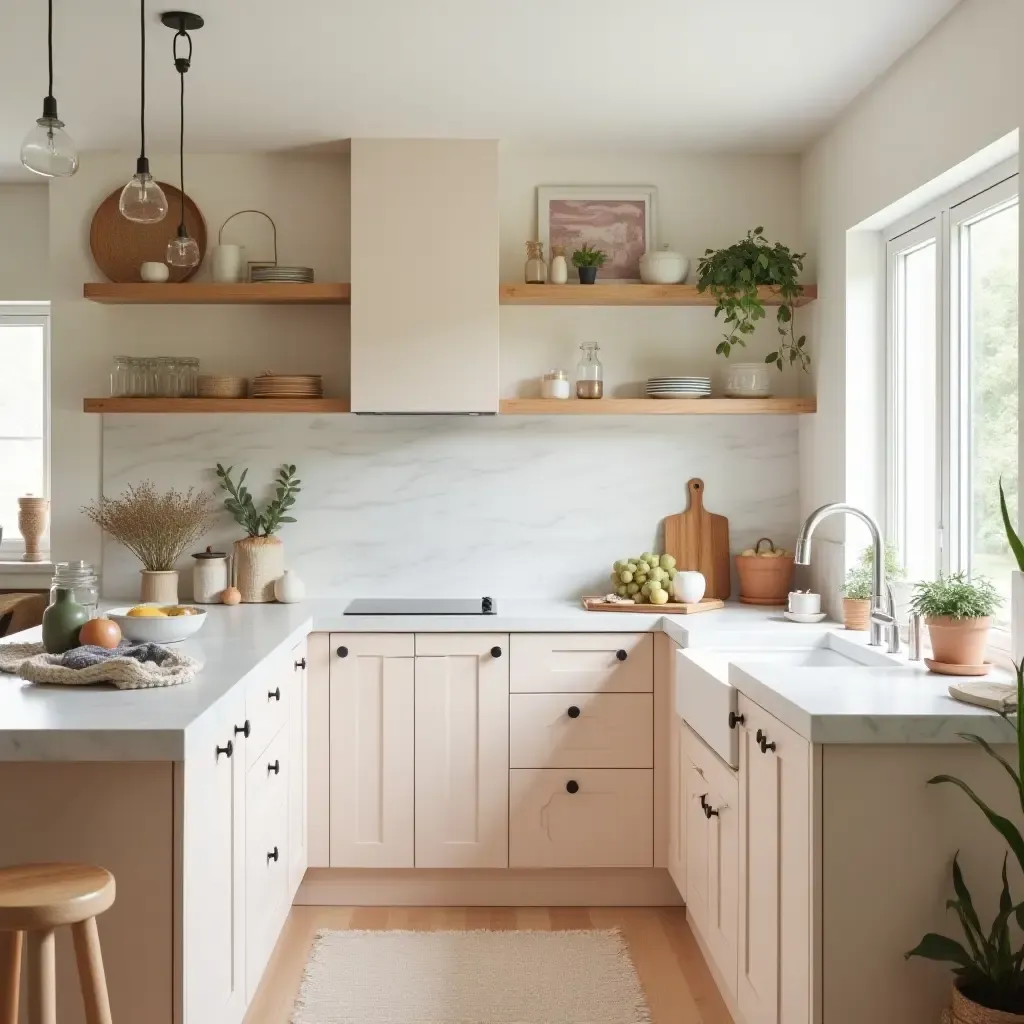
(215, 386)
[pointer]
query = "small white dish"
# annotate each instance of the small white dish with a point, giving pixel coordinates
(163, 629)
(805, 619)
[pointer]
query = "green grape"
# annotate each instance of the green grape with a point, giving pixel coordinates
(619, 565)
(631, 566)
(640, 578)
(632, 588)
(614, 577)
(653, 585)
(644, 566)
(621, 590)
(657, 574)
(667, 562)
(625, 576)
(648, 557)
(659, 597)
(672, 573)
(640, 598)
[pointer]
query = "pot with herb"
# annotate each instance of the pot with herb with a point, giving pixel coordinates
(858, 584)
(158, 528)
(958, 614)
(588, 260)
(259, 558)
(733, 275)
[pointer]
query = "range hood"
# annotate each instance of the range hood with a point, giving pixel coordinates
(424, 312)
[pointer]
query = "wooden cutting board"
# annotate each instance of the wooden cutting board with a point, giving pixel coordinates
(707, 604)
(699, 540)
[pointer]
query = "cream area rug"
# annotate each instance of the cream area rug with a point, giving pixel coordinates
(470, 977)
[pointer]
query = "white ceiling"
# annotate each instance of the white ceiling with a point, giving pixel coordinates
(749, 75)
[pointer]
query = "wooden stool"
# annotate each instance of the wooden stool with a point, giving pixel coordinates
(37, 898)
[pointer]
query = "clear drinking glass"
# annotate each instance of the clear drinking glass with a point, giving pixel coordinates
(120, 377)
(136, 377)
(589, 372)
(189, 376)
(166, 377)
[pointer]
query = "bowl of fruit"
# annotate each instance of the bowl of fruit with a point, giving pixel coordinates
(644, 580)
(158, 623)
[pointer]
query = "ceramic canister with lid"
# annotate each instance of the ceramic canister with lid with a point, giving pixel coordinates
(663, 266)
(209, 576)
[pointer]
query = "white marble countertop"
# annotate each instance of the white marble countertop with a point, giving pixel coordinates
(825, 705)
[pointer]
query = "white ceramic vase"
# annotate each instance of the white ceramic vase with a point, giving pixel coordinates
(159, 587)
(1017, 616)
(228, 264)
(663, 266)
(288, 588)
(688, 587)
(259, 561)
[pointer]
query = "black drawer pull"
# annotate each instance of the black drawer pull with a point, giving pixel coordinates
(735, 719)
(274, 694)
(495, 652)
(342, 652)
(621, 655)
(572, 786)
(765, 745)
(272, 855)
(243, 729)
(704, 802)
(710, 812)
(301, 663)
(573, 712)
(229, 750)
(275, 768)
(759, 736)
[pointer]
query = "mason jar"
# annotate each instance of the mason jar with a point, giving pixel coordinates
(82, 580)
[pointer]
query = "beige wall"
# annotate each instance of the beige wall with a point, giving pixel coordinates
(24, 255)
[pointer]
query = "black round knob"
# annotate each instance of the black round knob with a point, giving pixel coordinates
(572, 786)
(759, 736)
(301, 663)
(735, 719)
(274, 694)
(495, 652)
(272, 855)
(704, 801)
(487, 605)
(275, 767)
(621, 655)
(574, 712)
(765, 745)
(710, 812)
(243, 729)
(342, 652)
(229, 749)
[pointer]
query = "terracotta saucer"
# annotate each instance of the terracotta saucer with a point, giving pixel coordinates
(958, 670)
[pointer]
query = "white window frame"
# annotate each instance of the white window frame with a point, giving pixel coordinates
(943, 222)
(12, 547)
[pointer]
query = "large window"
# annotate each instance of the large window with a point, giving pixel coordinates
(953, 383)
(24, 413)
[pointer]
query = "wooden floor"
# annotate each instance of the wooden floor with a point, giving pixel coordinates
(675, 978)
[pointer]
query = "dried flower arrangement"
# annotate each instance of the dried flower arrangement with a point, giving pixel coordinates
(157, 528)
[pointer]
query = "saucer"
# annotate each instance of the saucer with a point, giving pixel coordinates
(943, 669)
(805, 619)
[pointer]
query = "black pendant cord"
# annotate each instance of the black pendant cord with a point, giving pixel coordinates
(142, 88)
(49, 44)
(182, 65)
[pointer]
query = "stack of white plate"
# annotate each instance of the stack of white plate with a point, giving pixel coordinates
(679, 387)
(282, 385)
(282, 275)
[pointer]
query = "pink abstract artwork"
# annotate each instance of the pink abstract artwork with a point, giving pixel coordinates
(616, 226)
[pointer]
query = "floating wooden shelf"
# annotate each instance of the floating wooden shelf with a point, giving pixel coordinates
(626, 295)
(656, 406)
(316, 405)
(260, 294)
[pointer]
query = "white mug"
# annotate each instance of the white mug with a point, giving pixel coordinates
(804, 604)
(154, 273)
(228, 264)
(689, 586)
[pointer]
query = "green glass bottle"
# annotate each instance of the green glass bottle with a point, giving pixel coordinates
(61, 623)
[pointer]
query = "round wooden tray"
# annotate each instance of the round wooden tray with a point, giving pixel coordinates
(121, 246)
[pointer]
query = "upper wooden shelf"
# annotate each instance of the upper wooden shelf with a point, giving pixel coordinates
(626, 295)
(205, 294)
(656, 406)
(315, 405)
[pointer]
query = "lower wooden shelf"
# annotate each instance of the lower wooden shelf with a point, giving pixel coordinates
(316, 405)
(657, 407)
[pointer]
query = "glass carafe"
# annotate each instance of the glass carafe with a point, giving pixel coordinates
(536, 268)
(589, 372)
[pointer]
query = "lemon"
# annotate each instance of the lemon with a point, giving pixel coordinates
(146, 611)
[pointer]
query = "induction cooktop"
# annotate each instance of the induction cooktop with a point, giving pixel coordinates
(422, 606)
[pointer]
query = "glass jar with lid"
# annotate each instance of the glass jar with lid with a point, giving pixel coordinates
(536, 268)
(83, 582)
(589, 372)
(166, 377)
(120, 377)
(555, 384)
(188, 376)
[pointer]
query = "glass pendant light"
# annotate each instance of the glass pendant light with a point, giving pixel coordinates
(48, 149)
(142, 199)
(182, 250)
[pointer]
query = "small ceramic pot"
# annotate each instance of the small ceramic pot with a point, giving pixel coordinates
(663, 266)
(688, 587)
(259, 561)
(958, 641)
(588, 275)
(856, 613)
(154, 273)
(159, 587)
(288, 588)
(804, 604)
(61, 623)
(228, 264)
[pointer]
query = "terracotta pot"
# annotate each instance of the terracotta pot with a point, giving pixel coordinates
(967, 1011)
(856, 613)
(259, 561)
(159, 587)
(959, 641)
(763, 580)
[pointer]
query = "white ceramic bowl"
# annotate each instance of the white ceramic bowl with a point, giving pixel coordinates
(169, 629)
(663, 267)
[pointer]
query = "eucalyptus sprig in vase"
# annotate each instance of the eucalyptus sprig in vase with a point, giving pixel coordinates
(259, 558)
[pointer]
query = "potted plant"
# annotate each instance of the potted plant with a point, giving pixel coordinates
(857, 598)
(989, 985)
(157, 528)
(958, 614)
(259, 558)
(1016, 582)
(733, 275)
(587, 259)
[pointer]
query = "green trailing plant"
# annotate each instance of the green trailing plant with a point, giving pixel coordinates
(989, 969)
(732, 276)
(589, 256)
(240, 504)
(955, 597)
(1012, 537)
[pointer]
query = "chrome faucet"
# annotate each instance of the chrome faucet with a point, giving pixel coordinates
(883, 619)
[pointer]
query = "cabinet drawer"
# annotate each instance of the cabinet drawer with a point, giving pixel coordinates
(266, 883)
(608, 822)
(582, 663)
(266, 708)
(266, 782)
(581, 730)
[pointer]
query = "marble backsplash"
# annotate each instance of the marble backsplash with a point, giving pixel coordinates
(457, 506)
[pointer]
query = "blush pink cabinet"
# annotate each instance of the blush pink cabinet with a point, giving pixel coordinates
(677, 804)
(461, 743)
